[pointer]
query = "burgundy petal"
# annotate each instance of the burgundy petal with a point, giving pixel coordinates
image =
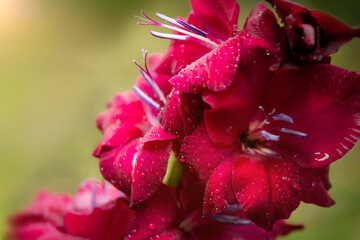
(201, 155)
(150, 164)
(214, 71)
(220, 17)
(182, 113)
(123, 121)
(211, 228)
(219, 190)
(229, 113)
(281, 228)
(170, 116)
(335, 32)
(156, 216)
(215, 230)
(324, 102)
(312, 35)
(264, 42)
(267, 188)
(191, 193)
(105, 223)
(314, 184)
(116, 165)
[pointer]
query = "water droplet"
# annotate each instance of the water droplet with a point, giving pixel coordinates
(151, 226)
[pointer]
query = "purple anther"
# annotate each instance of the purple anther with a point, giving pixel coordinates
(145, 98)
(293, 132)
(233, 208)
(153, 85)
(168, 19)
(169, 36)
(283, 117)
(191, 27)
(234, 220)
(270, 137)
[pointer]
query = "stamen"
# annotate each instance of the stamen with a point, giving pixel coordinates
(104, 192)
(145, 98)
(169, 36)
(272, 112)
(191, 32)
(191, 27)
(283, 117)
(293, 132)
(230, 219)
(153, 86)
(93, 195)
(182, 24)
(144, 55)
(269, 136)
(146, 74)
(233, 208)
(168, 19)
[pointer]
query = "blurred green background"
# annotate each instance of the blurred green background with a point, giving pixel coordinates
(62, 60)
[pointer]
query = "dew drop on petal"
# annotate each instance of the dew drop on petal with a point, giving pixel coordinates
(151, 226)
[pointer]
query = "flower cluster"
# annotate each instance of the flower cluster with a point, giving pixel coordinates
(222, 136)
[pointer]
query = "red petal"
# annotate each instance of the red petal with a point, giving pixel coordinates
(314, 184)
(156, 216)
(220, 17)
(182, 113)
(324, 102)
(267, 188)
(263, 48)
(122, 122)
(335, 32)
(85, 196)
(102, 224)
(281, 228)
(116, 165)
(215, 230)
(191, 193)
(150, 164)
(214, 71)
(38, 230)
(229, 113)
(51, 207)
(219, 190)
(201, 155)
(326, 33)
(262, 24)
